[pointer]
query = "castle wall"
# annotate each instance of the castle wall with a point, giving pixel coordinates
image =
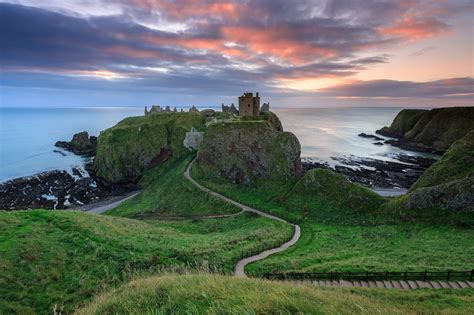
(246, 106)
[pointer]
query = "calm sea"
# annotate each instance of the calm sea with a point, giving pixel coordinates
(27, 136)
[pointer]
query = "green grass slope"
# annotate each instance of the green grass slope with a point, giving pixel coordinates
(405, 120)
(128, 149)
(208, 294)
(65, 257)
(347, 228)
(456, 163)
(167, 193)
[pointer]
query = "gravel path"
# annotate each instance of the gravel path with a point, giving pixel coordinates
(240, 266)
(106, 205)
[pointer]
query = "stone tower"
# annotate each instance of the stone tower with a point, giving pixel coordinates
(249, 105)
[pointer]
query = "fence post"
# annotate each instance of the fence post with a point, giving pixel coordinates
(449, 275)
(349, 278)
(386, 275)
(472, 274)
(366, 276)
(330, 276)
(405, 276)
(424, 276)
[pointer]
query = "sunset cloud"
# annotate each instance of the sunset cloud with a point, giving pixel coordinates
(270, 44)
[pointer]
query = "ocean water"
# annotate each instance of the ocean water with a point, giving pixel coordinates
(27, 136)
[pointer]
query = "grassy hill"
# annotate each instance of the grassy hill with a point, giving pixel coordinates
(456, 163)
(351, 229)
(207, 294)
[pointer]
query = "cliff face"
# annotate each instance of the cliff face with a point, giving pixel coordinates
(430, 130)
(244, 151)
(448, 183)
(135, 144)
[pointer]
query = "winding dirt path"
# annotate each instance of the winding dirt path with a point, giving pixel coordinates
(240, 266)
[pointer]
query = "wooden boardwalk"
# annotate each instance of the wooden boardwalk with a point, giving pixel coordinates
(394, 284)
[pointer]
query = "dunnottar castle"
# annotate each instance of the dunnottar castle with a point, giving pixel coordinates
(249, 105)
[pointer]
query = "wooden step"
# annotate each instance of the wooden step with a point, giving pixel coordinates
(396, 284)
(344, 283)
(444, 285)
(462, 284)
(454, 285)
(412, 284)
(364, 284)
(372, 284)
(380, 284)
(387, 284)
(470, 283)
(423, 284)
(404, 284)
(435, 285)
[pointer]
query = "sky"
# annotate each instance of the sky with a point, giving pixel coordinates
(298, 53)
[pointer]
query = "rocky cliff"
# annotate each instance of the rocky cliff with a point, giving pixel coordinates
(244, 151)
(81, 144)
(430, 130)
(127, 150)
(448, 183)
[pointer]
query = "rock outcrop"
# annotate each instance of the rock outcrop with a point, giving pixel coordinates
(127, 150)
(456, 163)
(429, 130)
(81, 144)
(449, 182)
(244, 151)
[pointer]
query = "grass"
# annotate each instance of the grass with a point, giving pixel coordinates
(374, 235)
(205, 294)
(456, 163)
(167, 193)
(65, 257)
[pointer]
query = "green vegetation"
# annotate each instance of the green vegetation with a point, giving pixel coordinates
(127, 150)
(65, 257)
(405, 120)
(205, 294)
(167, 193)
(456, 163)
(346, 227)
(435, 129)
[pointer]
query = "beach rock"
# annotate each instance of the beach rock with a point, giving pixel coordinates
(193, 110)
(81, 144)
(364, 135)
(377, 173)
(134, 145)
(85, 191)
(377, 143)
(44, 190)
(429, 130)
(246, 151)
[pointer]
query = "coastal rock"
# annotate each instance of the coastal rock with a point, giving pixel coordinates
(127, 150)
(455, 164)
(81, 144)
(429, 130)
(44, 190)
(193, 110)
(456, 196)
(364, 135)
(248, 150)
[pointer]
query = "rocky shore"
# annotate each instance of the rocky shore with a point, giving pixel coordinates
(59, 189)
(376, 173)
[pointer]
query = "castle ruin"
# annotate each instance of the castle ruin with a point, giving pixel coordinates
(249, 105)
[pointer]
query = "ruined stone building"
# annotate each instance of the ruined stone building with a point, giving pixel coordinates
(249, 105)
(230, 109)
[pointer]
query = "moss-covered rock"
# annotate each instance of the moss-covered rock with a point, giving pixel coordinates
(456, 163)
(430, 130)
(457, 195)
(135, 144)
(246, 150)
(335, 191)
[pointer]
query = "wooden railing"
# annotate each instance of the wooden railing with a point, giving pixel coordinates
(449, 275)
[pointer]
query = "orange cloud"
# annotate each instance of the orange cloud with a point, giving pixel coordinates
(413, 29)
